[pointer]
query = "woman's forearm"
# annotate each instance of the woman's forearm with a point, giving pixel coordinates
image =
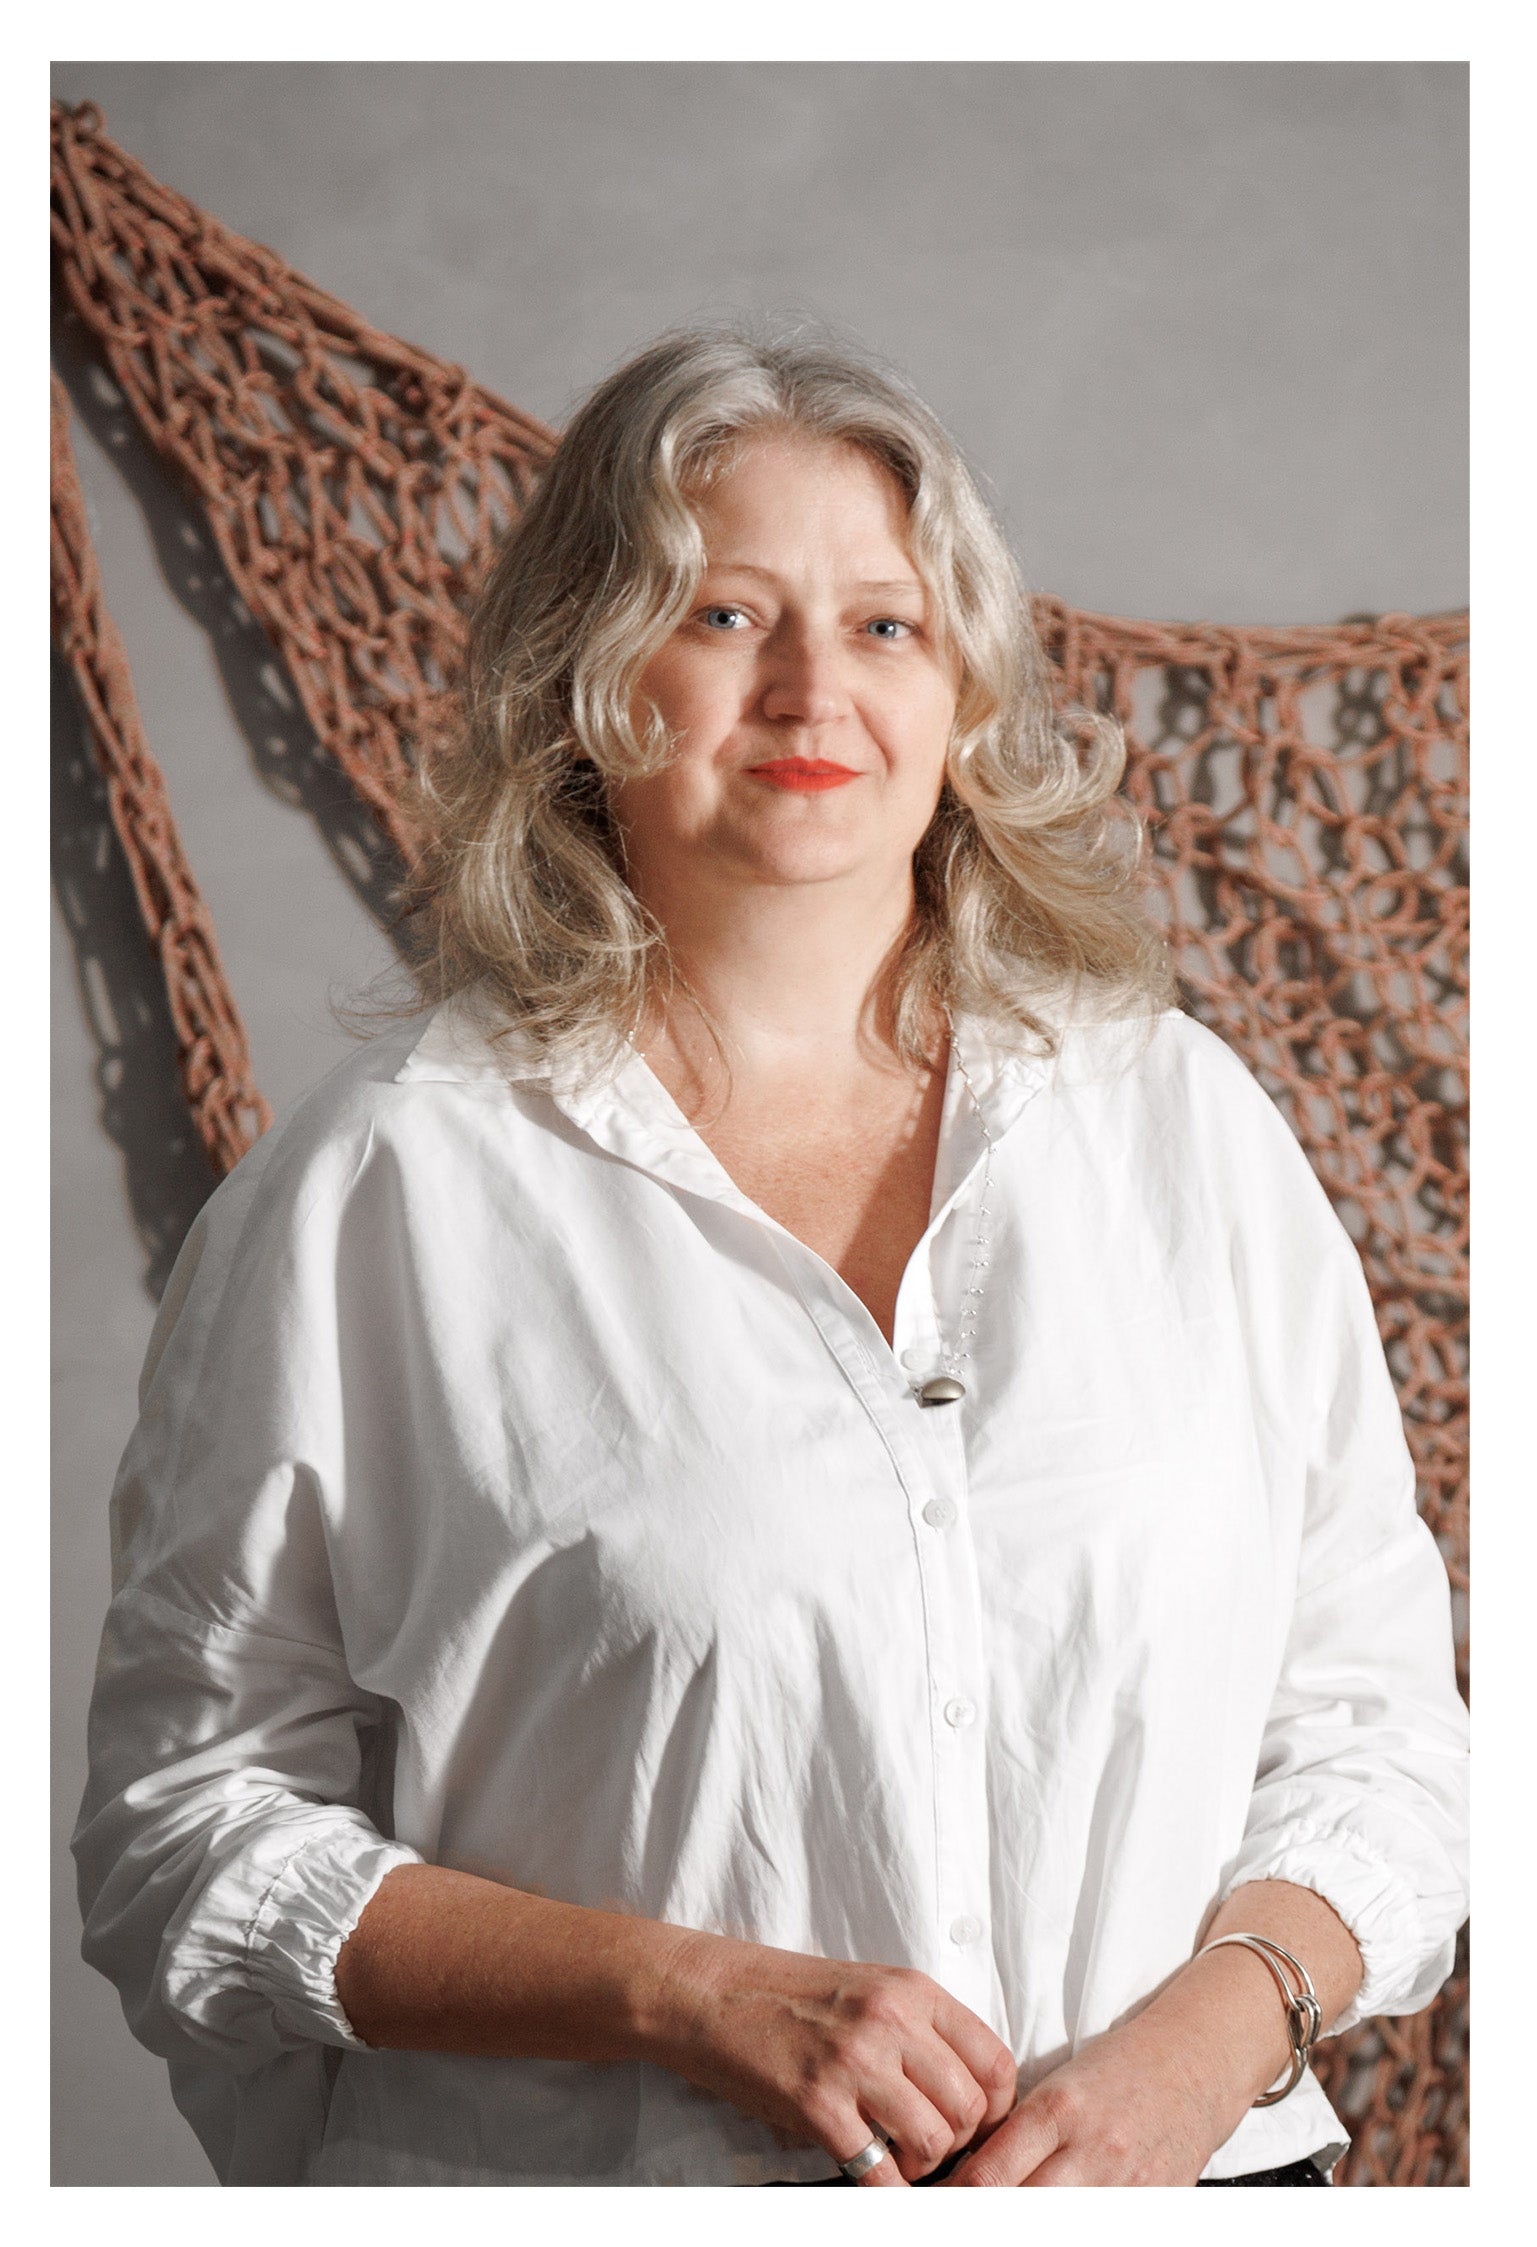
(443, 1961)
(1302, 1923)
(1225, 2006)
(819, 2049)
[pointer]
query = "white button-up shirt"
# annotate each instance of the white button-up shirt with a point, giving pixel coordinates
(511, 1492)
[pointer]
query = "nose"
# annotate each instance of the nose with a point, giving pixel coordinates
(805, 686)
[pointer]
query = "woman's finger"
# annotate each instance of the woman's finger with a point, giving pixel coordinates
(948, 2084)
(1059, 2169)
(922, 2136)
(984, 2055)
(882, 2172)
(1015, 2150)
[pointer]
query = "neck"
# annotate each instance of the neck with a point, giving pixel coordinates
(792, 975)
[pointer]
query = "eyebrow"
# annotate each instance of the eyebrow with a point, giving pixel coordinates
(865, 585)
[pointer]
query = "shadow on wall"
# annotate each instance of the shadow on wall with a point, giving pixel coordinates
(122, 991)
(123, 998)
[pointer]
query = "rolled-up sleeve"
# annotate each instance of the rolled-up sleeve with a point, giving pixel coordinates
(225, 1846)
(1361, 1788)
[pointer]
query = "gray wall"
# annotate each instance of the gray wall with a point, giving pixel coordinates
(1202, 327)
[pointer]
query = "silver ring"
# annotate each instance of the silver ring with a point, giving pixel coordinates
(863, 2163)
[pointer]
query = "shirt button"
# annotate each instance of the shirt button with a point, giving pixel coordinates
(965, 1930)
(959, 1711)
(916, 1359)
(939, 1513)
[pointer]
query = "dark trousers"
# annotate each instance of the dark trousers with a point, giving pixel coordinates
(1295, 2173)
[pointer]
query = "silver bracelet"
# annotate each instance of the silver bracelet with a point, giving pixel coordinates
(1304, 2015)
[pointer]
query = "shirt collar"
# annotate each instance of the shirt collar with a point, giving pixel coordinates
(458, 1046)
(626, 1109)
(629, 1112)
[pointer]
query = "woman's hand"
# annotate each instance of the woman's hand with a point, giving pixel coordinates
(1150, 2101)
(1139, 2105)
(831, 2054)
(825, 2053)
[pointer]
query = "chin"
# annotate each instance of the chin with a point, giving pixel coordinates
(833, 844)
(820, 861)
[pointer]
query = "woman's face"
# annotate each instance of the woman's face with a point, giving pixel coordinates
(807, 689)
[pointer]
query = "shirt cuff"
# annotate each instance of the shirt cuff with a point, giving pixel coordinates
(1401, 1971)
(303, 1920)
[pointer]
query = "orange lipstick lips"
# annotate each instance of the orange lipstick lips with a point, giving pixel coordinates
(806, 776)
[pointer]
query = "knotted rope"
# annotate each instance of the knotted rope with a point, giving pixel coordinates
(211, 1049)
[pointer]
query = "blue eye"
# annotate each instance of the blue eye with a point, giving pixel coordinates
(889, 627)
(720, 616)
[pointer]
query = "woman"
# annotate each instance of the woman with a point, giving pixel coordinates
(780, 1547)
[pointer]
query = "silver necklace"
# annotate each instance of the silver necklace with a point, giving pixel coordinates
(948, 1387)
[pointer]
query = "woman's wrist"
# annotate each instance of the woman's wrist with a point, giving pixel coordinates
(1224, 2009)
(1305, 1926)
(667, 1992)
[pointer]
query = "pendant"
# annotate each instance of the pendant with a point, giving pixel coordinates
(943, 1389)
